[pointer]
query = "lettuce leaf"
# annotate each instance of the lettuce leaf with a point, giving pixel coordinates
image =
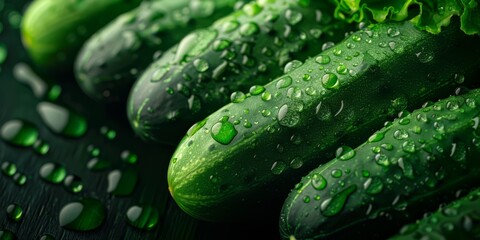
(429, 15)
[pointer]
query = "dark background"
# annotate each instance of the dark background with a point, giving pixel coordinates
(42, 201)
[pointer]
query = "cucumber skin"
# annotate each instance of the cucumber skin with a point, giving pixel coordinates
(433, 180)
(462, 214)
(156, 115)
(54, 30)
(106, 69)
(245, 184)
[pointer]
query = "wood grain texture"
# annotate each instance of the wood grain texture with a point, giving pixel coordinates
(42, 201)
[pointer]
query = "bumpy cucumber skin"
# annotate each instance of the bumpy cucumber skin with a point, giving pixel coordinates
(113, 58)
(252, 175)
(54, 30)
(419, 163)
(172, 94)
(458, 220)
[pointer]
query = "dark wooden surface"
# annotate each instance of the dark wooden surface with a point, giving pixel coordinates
(42, 201)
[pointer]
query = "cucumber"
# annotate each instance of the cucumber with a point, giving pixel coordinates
(247, 47)
(243, 159)
(112, 59)
(54, 30)
(405, 169)
(458, 220)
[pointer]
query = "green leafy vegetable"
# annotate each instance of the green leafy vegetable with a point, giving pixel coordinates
(429, 15)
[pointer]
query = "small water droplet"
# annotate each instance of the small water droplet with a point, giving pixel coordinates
(345, 153)
(129, 157)
(404, 121)
(284, 82)
(356, 38)
(376, 137)
(195, 127)
(159, 73)
(373, 186)
(252, 9)
(296, 163)
(319, 182)
(122, 182)
(73, 184)
(409, 146)
(190, 47)
(336, 173)
(82, 215)
(393, 32)
(382, 159)
(406, 167)
(41, 147)
(471, 102)
(62, 120)
(221, 44)
(15, 212)
(316, 33)
(97, 164)
(249, 29)
(9, 168)
(323, 112)
(278, 167)
(108, 133)
(256, 90)
(327, 45)
(310, 91)
(330, 81)
(392, 45)
(342, 69)
(459, 78)
(334, 205)
(323, 59)
(400, 134)
(292, 65)
(52, 172)
(230, 26)
(223, 131)
(143, 217)
(425, 56)
(293, 17)
(19, 179)
(266, 96)
(288, 115)
(266, 112)
(19, 133)
(201, 65)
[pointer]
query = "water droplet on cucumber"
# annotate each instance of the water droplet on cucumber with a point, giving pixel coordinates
(223, 132)
(334, 205)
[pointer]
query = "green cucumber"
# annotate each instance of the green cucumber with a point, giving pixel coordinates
(458, 220)
(405, 169)
(54, 30)
(249, 46)
(243, 159)
(112, 59)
